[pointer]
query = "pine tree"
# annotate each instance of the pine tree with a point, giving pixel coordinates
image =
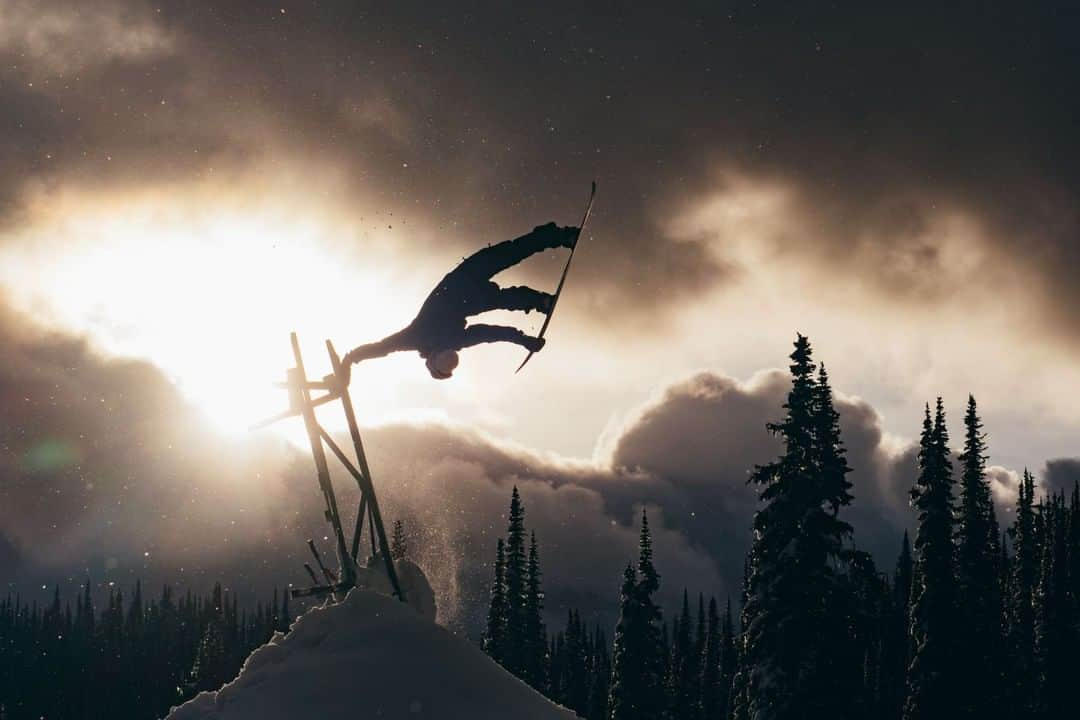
(626, 661)
(681, 675)
(1055, 628)
(789, 655)
(575, 683)
(555, 667)
(638, 658)
(516, 577)
(1021, 601)
(711, 706)
(599, 677)
(495, 635)
(864, 598)
(977, 576)
(903, 575)
(697, 658)
(729, 662)
(651, 619)
(931, 678)
(896, 641)
(535, 640)
(210, 670)
(739, 699)
(834, 488)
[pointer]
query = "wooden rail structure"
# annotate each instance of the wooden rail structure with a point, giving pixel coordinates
(334, 388)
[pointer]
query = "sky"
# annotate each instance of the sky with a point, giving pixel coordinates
(184, 184)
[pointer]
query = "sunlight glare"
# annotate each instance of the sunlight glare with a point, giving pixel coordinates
(209, 297)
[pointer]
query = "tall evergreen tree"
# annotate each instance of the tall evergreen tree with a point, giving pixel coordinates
(697, 659)
(729, 661)
(627, 663)
(1020, 626)
(637, 678)
(790, 648)
(977, 577)
(535, 640)
(896, 641)
(710, 665)
(739, 699)
(599, 677)
(932, 676)
(495, 633)
(575, 662)
(516, 578)
(681, 673)
(903, 574)
(1055, 625)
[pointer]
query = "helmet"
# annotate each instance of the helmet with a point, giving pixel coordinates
(442, 363)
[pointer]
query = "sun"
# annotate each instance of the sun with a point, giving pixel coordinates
(209, 295)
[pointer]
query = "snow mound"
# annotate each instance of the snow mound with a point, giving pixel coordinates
(414, 584)
(370, 656)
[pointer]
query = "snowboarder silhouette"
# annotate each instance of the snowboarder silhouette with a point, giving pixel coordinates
(440, 329)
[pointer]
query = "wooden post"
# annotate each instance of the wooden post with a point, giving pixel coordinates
(366, 487)
(302, 394)
(302, 404)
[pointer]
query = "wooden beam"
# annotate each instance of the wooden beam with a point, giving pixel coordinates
(368, 488)
(291, 412)
(359, 531)
(297, 378)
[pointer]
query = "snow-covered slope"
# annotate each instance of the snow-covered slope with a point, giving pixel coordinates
(370, 657)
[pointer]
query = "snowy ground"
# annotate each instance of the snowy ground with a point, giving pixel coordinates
(370, 657)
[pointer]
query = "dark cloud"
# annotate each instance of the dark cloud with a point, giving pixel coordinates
(482, 119)
(703, 438)
(1060, 476)
(10, 559)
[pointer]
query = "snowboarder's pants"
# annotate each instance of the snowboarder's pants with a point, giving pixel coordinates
(479, 333)
(495, 258)
(518, 297)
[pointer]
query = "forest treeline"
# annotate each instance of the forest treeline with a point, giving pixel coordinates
(129, 659)
(973, 621)
(133, 658)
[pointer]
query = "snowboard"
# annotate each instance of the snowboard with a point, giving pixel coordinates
(562, 279)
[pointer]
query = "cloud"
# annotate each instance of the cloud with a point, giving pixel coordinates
(10, 559)
(109, 473)
(686, 454)
(901, 156)
(63, 39)
(1060, 476)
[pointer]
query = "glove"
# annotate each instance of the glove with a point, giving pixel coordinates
(346, 369)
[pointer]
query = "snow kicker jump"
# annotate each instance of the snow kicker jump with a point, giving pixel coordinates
(441, 328)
